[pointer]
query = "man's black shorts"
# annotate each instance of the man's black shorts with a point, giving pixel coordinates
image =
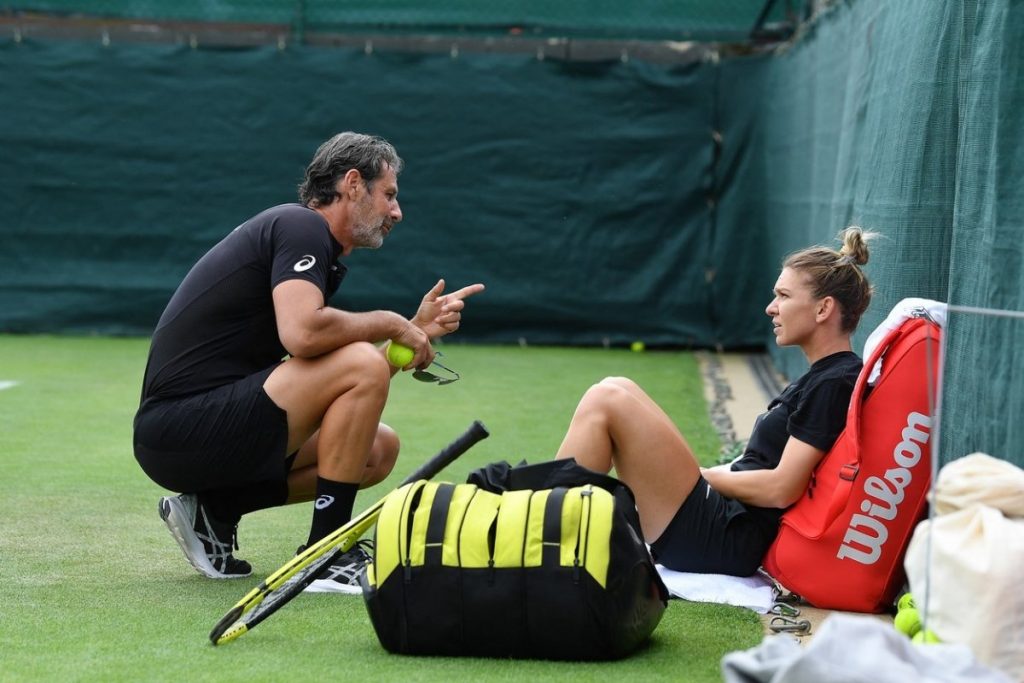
(712, 534)
(229, 436)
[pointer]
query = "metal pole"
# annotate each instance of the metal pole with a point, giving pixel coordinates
(937, 435)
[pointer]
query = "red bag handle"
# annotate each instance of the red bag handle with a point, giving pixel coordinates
(853, 414)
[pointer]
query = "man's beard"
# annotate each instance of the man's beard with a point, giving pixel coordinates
(368, 235)
(368, 231)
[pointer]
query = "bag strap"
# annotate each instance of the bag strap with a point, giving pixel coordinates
(434, 541)
(856, 399)
(552, 536)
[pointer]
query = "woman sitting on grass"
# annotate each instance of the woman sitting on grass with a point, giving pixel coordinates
(722, 519)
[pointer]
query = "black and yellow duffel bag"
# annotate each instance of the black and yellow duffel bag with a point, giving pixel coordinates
(556, 573)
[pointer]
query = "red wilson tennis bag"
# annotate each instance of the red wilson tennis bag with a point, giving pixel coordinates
(841, 546)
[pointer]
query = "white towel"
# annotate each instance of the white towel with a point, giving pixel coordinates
(753, 592)
(900, 312)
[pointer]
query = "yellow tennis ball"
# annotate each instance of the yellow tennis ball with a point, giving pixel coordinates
(906, 600)
(907, 621)
(399, 355)
(927, 637)
(637, 346)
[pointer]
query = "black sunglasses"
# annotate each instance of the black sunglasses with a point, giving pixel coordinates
(424, 376)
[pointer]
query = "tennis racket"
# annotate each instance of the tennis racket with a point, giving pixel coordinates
(284, 584)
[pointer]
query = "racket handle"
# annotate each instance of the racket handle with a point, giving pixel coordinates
(476, 432)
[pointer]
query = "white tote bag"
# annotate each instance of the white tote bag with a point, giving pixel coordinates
(975, 596)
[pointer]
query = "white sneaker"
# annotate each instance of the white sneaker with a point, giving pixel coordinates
(207, 543)
(343, 575)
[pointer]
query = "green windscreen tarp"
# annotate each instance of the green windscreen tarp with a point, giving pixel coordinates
(905, 118)
(601, 202)
(576, 191)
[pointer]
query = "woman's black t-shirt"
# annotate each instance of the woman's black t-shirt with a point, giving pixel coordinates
(812, 409)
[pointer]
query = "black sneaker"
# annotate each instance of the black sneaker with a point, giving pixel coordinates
(343, 575)
(207, 543)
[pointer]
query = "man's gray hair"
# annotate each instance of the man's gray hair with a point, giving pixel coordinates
(368, 154)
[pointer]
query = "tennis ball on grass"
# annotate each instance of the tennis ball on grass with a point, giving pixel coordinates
(907, 621)
(399, 355)
(637, 346)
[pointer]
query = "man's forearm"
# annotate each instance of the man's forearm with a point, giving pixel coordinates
(331, 328)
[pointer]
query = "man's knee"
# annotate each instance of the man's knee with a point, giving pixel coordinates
(360, 366)
(319, 381)
(367, 362)
(383, 455)
(387, 444)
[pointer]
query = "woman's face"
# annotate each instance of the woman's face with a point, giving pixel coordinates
(793, 310)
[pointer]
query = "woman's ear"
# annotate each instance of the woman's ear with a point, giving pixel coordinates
(825, 308)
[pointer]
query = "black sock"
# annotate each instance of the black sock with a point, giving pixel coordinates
(332, 507)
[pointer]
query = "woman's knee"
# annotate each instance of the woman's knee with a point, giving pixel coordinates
(623, 383)
(609, 395)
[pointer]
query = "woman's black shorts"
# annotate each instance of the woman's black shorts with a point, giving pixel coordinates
(712, 534)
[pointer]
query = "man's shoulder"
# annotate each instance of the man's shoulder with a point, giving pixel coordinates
(293, 213)
(285, 223)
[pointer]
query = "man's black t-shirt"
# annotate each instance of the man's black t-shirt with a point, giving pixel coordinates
(812, 409)
(220, 325)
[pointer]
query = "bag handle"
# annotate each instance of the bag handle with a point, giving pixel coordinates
(434, 540)
(848, 470)
(552, 536)
(856, 399)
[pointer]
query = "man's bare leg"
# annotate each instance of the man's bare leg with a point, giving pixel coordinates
(383, 455)
(339, 397)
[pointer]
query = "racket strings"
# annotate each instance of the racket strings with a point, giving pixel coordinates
(290, 588)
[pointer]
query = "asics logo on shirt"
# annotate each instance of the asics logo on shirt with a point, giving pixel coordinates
(323, 501)
(305, 263)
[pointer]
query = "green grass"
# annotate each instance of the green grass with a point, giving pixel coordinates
(92, 588)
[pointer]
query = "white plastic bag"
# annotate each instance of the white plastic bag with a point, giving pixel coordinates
(980, 478)
(977, 561)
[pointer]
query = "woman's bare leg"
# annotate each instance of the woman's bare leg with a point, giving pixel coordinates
(617, 425)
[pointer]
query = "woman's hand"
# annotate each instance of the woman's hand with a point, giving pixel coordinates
(777, 488)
